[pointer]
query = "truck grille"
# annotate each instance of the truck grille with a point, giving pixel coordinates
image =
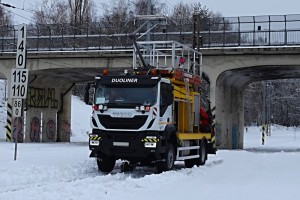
(122, 123)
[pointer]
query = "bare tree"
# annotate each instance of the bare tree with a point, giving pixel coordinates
(157, 7)
(5, 22)
(181, 17)
(81, 13)
(75, 12)
(117, 16)
(51, 12)
(281, 102)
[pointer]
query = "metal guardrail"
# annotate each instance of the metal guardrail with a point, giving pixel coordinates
(218, 32)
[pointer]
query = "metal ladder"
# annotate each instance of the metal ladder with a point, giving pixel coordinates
(190, 129)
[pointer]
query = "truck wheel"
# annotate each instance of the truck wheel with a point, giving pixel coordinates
(106, 164)
(198, 161)
(169, 159)
(203, 153)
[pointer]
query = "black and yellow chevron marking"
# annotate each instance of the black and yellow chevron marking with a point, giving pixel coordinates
(8, 123)
(213, 109)
(263, 135)
(213, 118)
(150, 140)
(95, 137)
(213, 139)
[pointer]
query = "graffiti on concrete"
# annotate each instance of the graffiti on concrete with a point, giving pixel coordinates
(50, 130)
(41, 98)
(35, 130)
(17, 129)
(66, 131)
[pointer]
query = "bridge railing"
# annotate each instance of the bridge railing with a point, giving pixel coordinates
(217, 32)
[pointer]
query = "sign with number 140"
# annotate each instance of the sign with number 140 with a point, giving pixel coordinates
(21, 47)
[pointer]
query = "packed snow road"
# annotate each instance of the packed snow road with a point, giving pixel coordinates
(64, 171)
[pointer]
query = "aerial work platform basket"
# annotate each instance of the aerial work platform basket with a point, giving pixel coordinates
(170, 58)
(168, 55)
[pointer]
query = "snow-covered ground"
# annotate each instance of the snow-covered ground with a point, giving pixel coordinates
(65, 171)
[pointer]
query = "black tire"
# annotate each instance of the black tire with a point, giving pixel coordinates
(124, 167)
(106, 164)
(202, 153)
(202, 157)
(169, 159)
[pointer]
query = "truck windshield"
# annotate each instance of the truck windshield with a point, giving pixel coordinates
(126, 96)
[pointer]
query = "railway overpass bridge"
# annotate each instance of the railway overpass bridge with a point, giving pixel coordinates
(230, 66)
(230, 70)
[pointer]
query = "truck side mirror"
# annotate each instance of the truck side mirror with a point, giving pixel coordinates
(87, 98)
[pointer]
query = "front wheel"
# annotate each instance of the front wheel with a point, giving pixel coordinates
(106, 164)
(169, 159)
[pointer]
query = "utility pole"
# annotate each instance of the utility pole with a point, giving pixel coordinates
(263, 112)
(148, 38)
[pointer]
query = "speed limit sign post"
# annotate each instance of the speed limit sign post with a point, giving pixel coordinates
(19, 75)
(19, 79)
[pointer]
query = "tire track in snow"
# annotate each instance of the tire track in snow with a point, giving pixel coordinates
(86, 174)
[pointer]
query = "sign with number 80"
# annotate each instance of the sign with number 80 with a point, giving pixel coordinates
(17, 107)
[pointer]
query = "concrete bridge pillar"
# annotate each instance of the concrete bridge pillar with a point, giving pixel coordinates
(48, 111)
(49, 125)
(229, 116)
(64, 117)
(33, 124)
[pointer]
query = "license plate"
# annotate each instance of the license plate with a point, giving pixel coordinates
(150, 144)
(121, 144)
(94, 143)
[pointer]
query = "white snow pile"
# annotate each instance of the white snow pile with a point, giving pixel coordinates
(65, 171)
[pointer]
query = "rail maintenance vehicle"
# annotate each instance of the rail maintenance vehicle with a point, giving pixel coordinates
(150, 116)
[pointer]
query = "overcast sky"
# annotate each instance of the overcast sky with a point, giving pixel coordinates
(228, 8)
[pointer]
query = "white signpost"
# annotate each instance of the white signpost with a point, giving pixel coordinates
(19, 80)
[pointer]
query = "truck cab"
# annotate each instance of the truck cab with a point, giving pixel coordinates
(129, 119)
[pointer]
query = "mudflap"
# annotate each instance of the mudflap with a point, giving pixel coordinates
(210, 148)
(93, 154)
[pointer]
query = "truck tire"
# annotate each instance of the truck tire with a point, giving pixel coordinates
(202, 153)
(106, 164)
(202, 157)
(169, 159)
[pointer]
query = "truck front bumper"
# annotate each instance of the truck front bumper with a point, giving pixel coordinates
(127, 145)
